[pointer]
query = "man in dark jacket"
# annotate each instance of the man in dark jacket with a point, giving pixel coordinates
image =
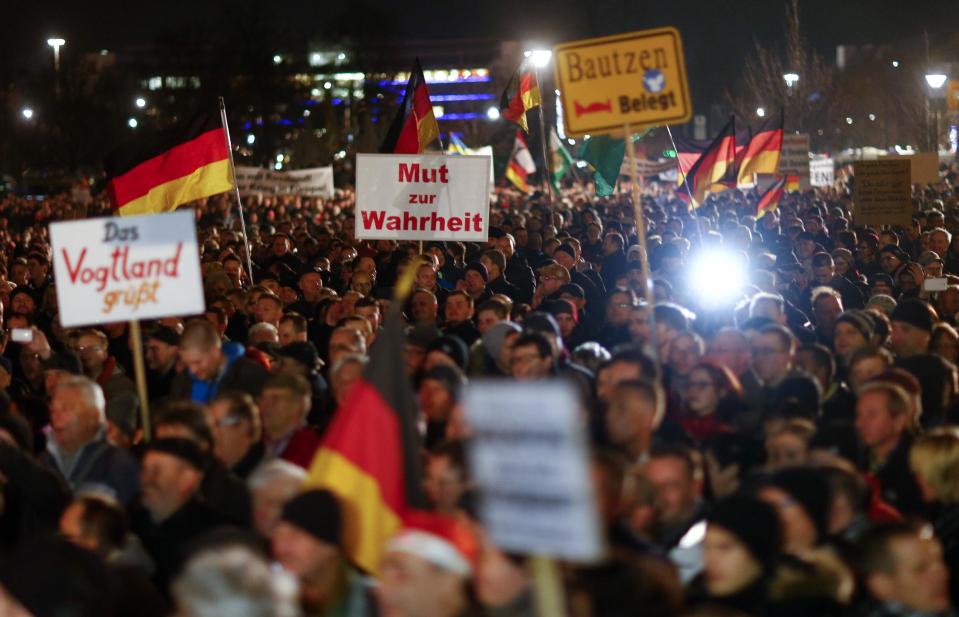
(213, 367)
(78, 449)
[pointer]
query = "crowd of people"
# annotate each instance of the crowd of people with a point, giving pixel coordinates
(787, 447)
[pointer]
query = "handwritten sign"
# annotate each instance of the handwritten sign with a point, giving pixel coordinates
(422, 197)
(118, 269)
(312, 182)
(528, 456)
(882, 194)
(794, 158)
(822, 172)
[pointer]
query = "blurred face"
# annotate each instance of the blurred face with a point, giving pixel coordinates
(486, 320)
(362, 283)
(425, 277)
(166, 483)
(847, 338)
(342, 381)
(499, 580)
(612, 375)
(566, 324)
(920, 579)
(728, 567)
(474, 282)
(799, 531)
(204, 364)
(771, 357)
(939, 243)
(618, 309)
(288, 333)
(527, 364)
(731, 350)
(458, 309)
(684, 353)
(676, 492)
(826, 311)
(864, 370)
(702, 395)
(23, 303)
(877, 427)
(889, 263)
(310, 285)
(93, 353)
(72, 528)
(786, 450)
(159, 355)
(73, 421)
(908, 340)
(282, 411)
(435, 400)
(629, 417)
(638, 325)
(268, 501)
(413, 587)
(550, 283)
(425, 307)
(301, 554)
(342, 342)
(444, 484)
(232, 437)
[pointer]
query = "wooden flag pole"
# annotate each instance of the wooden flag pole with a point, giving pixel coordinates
(236, 188)
(547, 587)
(640, 221)
(547, 168)
(141, 377)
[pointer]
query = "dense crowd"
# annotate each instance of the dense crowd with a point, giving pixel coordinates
(781, 441)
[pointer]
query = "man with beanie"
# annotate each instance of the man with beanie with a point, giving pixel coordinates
(170, 513)
(439, 394)
(912, 323)
(495, 263)
(474, 283)
(162, 352)
(448, 350)
(427, 568)
(308, 543)
(853, 330)
(567, 317)
(740, 552)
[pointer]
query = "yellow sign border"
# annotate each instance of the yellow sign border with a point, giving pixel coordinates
(639, 34)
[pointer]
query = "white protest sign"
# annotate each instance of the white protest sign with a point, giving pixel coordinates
(529, 459)
(422, 197)
(119, 269)
(312, 182)
(794, 157)
(822, 172)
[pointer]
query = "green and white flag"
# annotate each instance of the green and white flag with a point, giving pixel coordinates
(562, 159)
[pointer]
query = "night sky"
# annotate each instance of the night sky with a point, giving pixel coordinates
(718, 33)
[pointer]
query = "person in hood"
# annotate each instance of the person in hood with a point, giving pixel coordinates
(213, 366)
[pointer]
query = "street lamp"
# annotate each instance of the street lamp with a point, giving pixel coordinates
(761, 112)
(140, 102)
(492, 113)
(935, 80)
(27, 113)
(56, 43)
(791, 79)
(132, 123)
(539, 57)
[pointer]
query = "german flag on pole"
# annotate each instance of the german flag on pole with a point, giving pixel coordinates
(520, 164)
(521, 95)
(762, 153)
(714, 166)
(769, 200)
(369, 455)
(160, 172)
(414, 127)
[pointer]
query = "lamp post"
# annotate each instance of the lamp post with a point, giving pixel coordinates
(540, 58)
(935, 81)
(56, 43)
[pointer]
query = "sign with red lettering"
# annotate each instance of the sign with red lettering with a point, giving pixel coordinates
(119, 269)
(422, 197)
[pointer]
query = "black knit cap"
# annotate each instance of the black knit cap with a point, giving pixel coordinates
(186, 450)
(303, 352)
(810, 489)
(453, 347)
(480, 268)
(164, 335)
(317, 513)
(916, 313)
(451, 378)
(754, 522)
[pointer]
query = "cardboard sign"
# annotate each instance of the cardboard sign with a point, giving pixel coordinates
(313, 182)
(924, 166)
(882, 193)
(822, 172)
(637, 78)
(422, 197)
(119, 269)
(529, 458)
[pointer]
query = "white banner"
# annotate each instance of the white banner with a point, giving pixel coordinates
(422, 197)
(117, 269)
(822, 172)
(312, 182)
(794, 159)
(529, 459)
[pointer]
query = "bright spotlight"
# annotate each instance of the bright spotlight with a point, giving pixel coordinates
(56, 42)
(132, 123)
(492, 113)
(141, 102)
(539, 57)
(27, 113)
(761, 112)
(250, 139)
(936, 80)
(717, 276)
(791, 78)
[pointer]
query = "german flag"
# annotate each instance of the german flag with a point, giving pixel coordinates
(414, 127)
(520, 164)
(369, 455)
(714, 167)
(769, 200)
(762, 153)
(160, 172)
(521, 95)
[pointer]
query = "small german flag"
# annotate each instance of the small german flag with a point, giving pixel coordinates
(160, 172)
(520, 164)
(761, 155)
(521, 95)
(369, 455)
(769, 200)
(714, 169)
(414, 127)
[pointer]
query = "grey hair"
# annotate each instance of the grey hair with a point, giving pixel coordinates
(353, 358)
(766, 297)
(233, 580)
(276, 469)
(89, 390)
(264, 328)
